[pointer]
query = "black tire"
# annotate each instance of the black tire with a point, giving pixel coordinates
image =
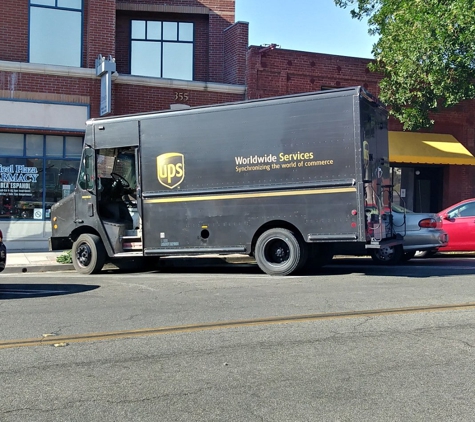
(387, 255)
(406, 256)
(279, 252)
(88, 254)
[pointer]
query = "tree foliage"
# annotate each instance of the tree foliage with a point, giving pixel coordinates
(425, 53)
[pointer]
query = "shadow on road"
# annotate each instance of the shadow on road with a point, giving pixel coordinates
(416, 268)
(23, 291)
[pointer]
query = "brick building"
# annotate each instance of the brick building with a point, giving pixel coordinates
(431, 170)
(188, 51)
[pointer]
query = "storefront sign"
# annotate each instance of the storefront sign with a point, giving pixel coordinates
(16, 179)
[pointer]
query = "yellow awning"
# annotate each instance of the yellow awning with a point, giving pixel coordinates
(427, 148)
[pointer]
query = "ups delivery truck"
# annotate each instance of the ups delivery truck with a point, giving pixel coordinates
(286, 180)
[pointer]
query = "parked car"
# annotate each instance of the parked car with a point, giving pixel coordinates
(421, 232)
(458, 221)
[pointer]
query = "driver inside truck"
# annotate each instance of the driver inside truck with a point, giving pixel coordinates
(118, 188)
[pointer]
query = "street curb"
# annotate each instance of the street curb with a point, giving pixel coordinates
(42, 268)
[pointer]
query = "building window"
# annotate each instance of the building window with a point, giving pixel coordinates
(162, 49)
(56, 32)
(35, 172)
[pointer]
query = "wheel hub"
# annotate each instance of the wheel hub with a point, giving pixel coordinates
(84, 255)
(277, 251)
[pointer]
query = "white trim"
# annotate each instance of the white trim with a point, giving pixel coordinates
(28, 114)
(79, 72)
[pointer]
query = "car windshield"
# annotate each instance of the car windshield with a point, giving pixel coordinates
(400, 209)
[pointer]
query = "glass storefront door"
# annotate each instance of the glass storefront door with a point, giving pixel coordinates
(418, 188)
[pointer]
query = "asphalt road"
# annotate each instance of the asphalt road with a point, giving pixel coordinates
(355, 343)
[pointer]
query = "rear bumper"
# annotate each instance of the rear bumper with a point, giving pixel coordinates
(425, 240)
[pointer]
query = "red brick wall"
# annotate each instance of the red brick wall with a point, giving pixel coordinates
(235, 50)
(14, 30)
(135, 99)
(280, 72)
(107, 31)
(99, 30)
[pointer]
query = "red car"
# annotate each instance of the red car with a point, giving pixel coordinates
(459, 222)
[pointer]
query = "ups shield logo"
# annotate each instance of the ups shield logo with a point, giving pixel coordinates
(171, 169)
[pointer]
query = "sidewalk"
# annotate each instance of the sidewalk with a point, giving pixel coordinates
(23, 262)
(34, 262)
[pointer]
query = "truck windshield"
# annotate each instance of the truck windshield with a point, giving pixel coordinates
(118, 161)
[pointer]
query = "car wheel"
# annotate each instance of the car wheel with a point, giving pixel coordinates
(279, 252)
(406, 256)
(390, 255)
(88, 254)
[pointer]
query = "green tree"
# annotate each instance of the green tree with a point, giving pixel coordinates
(425, 53)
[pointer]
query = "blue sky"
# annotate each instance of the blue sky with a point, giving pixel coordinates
(308, 25)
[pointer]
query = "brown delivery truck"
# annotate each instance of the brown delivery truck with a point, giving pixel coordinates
(286, 180)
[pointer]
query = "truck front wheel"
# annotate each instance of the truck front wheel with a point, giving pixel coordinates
(279, 252)
(88, 254)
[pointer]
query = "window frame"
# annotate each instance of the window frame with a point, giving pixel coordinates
(161, 42)
(43, 158)
(31, 4)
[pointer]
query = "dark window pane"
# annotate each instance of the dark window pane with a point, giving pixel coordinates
(61, 176)
(71, 4)
(185, 31)
(34, 145)
(467, 210)
(11, 144)
(178, 61)
(146, 58)
(154, 30)
(170, 31)
(73, 147)
(138, 30)
(43, 2)
(21, 188)
(55, 36)
(54, 146)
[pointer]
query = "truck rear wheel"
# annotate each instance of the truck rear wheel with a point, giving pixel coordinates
(279, 252)
(389, 255)
(88, 254)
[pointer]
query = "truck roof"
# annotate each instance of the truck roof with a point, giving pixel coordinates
(356, 90)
